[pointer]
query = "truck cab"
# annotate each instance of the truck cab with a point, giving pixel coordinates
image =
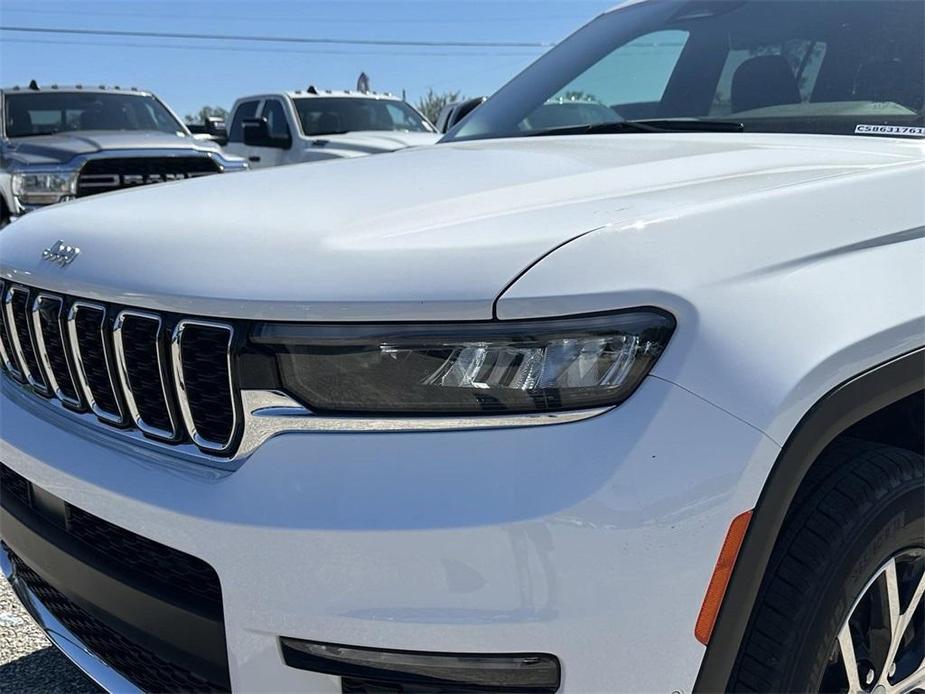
(311, 125)
(59, 143)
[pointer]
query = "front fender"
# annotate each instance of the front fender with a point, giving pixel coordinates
(843, 406)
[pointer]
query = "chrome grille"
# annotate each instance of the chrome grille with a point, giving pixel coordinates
(7, 356)
(87, 329)
(47, 326)
(139, 346)
(207, 407)
(17, 313)
(166, 376)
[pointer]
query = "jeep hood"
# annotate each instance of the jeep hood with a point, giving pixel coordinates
(421, 234)
(63, 147)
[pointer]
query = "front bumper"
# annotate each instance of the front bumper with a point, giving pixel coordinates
(62, 637)
(592, 541)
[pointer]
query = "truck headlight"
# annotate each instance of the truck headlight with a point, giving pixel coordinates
(467, 368)
(44, 188)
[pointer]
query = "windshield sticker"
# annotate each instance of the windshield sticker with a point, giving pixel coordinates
(889, 130)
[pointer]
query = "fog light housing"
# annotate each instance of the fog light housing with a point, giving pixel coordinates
(369, 669)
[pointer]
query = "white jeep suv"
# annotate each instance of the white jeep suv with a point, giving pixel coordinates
(631, 401)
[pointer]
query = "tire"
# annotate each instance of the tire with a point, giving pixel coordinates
(861, 506)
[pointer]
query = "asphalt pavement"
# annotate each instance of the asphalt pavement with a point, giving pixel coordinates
(28, 662)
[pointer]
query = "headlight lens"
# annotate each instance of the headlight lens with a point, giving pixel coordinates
(44, 188)
(474, 368)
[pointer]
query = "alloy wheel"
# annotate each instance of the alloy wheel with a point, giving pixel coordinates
(880, 648)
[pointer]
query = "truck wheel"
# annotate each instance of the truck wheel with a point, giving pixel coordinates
(840, 608)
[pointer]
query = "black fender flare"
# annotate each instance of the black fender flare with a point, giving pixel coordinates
(835, 412)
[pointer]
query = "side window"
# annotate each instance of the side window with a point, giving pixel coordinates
(401, 119)
(804, 58)
(275, 114)
(248, 109)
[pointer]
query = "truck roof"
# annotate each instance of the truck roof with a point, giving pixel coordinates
(99, 89)
(311, 92)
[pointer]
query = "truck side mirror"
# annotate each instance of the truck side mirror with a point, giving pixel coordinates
(451, 114)
(257, 134)
(465, 108)
(216, 129)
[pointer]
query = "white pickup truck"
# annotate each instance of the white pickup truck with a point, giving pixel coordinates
(312, 125)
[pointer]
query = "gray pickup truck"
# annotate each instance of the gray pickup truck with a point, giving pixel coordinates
(60, 143)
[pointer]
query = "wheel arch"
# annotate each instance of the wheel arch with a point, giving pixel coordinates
(843, 406)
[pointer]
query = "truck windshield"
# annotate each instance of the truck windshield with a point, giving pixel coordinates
(47, 113)
(333, 115)
(806, 66)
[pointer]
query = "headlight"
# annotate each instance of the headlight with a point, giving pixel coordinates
(467, 368)
(44, 188)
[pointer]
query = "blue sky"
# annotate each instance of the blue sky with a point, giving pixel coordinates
(190, 73)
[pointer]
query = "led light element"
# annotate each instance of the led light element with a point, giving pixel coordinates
(524, 673)
(468, 368)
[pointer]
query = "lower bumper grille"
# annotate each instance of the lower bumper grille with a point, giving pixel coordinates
(151, 613)
(145, 669)
(178, 570)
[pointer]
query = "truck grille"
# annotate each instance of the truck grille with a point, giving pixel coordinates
(169, 377)
(107, 174)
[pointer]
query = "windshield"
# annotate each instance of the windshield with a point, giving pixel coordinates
(331, 115)
(47, 113)
(803, 66)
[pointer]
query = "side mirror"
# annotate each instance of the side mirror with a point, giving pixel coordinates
(451, 114)
(257, 134)
(215, 127)
(464, 109)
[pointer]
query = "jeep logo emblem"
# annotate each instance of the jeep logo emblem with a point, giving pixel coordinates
(59, 252)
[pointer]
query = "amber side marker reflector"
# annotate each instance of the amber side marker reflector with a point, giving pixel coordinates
(719, 581)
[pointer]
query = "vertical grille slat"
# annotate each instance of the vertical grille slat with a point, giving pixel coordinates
(202, 370)
(86, 330)
(18, 318)
(169, 378)
(7, 355)
(47, 317)
(140, 354)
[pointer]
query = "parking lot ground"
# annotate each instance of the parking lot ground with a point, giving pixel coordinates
(28, 662)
